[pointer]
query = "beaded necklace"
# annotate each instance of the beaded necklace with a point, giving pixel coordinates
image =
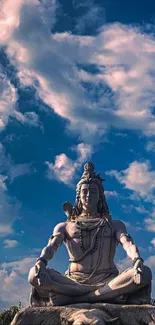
(89, 228)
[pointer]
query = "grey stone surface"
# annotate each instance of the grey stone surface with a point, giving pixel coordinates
(82, 314)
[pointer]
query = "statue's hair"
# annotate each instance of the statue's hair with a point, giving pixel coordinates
(89, 176)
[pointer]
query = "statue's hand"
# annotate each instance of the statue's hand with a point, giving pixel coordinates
(39, 267)
(41, 272)
(138, 266)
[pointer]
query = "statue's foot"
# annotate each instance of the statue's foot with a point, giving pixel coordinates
(120, 300)
(59, 300)
(138, 301)
(141, 297)
(36, 300)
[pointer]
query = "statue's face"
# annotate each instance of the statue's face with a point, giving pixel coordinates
(89, 196)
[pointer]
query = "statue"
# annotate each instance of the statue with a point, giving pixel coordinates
(91, 237)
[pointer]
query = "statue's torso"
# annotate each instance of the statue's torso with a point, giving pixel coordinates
(77, 242)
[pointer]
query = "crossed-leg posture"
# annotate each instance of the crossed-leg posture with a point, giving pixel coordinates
(91, 237)
(64, 290)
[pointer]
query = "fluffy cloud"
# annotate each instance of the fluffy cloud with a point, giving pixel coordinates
(14, 288)
(138, 177)
(64, 168)
(10, 243)
(9, 206)
(21, 267)
(57, 66)
(8, 98)
(13, 281)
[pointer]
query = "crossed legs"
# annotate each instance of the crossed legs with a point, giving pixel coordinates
(66, 291)
(120, 285)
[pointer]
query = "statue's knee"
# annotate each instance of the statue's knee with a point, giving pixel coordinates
(32, 278)
(147, 275)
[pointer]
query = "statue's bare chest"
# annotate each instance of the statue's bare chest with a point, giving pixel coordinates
(81, 238)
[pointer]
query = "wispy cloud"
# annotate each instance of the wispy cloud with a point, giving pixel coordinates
(138, 177)
(93, 16)
(110, 194)
(118, 96)
(8, 98)
(64, 168)
(150, 221)
(150, 146)
(9, 206)
(9, 212)
(10, 243)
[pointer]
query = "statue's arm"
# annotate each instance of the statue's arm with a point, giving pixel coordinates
(126, 240)
(54, 242)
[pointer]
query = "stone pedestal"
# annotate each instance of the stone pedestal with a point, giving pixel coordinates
(82, 314)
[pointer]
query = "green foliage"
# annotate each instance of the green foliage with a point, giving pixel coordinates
(7, 315)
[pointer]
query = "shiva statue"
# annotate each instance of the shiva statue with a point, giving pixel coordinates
(91, 237)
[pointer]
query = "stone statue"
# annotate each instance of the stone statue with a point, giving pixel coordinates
(91, 237)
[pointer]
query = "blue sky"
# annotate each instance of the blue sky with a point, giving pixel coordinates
(77, 84)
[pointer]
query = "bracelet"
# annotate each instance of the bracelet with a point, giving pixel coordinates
(42, 259)
(136, 259)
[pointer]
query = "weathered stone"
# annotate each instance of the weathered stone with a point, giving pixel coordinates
(82, 314)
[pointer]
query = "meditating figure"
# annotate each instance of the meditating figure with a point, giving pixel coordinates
(91, 237)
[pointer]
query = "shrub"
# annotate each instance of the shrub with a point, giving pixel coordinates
(7, 315)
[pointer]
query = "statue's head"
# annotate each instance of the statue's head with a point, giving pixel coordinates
(90, 192)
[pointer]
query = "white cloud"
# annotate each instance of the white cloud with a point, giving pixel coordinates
(6, 229)
(10, 243)
(64, 168)
(150, 146)
(9, 206)
(9, 170)
(14, 288)
(30, 118)
(8, 98)
(54, 65)
(8, 105)
(9, 212)
(110, 194)
(9, 18)
(124, 264)
(150, 222)
(13, 281)
(138, 177)
(153, 242)
(19, 170)
(21, 267)
(141, 209)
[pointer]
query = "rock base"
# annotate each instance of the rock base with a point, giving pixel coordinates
(83, 314)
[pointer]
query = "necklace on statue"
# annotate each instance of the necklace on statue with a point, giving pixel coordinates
(82, 243)
(88, 229)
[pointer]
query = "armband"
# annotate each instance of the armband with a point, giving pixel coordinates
(136, 259)
(127, 235)
(42, 259)
(58, 234)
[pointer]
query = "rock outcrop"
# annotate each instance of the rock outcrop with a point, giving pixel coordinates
(82, 314)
